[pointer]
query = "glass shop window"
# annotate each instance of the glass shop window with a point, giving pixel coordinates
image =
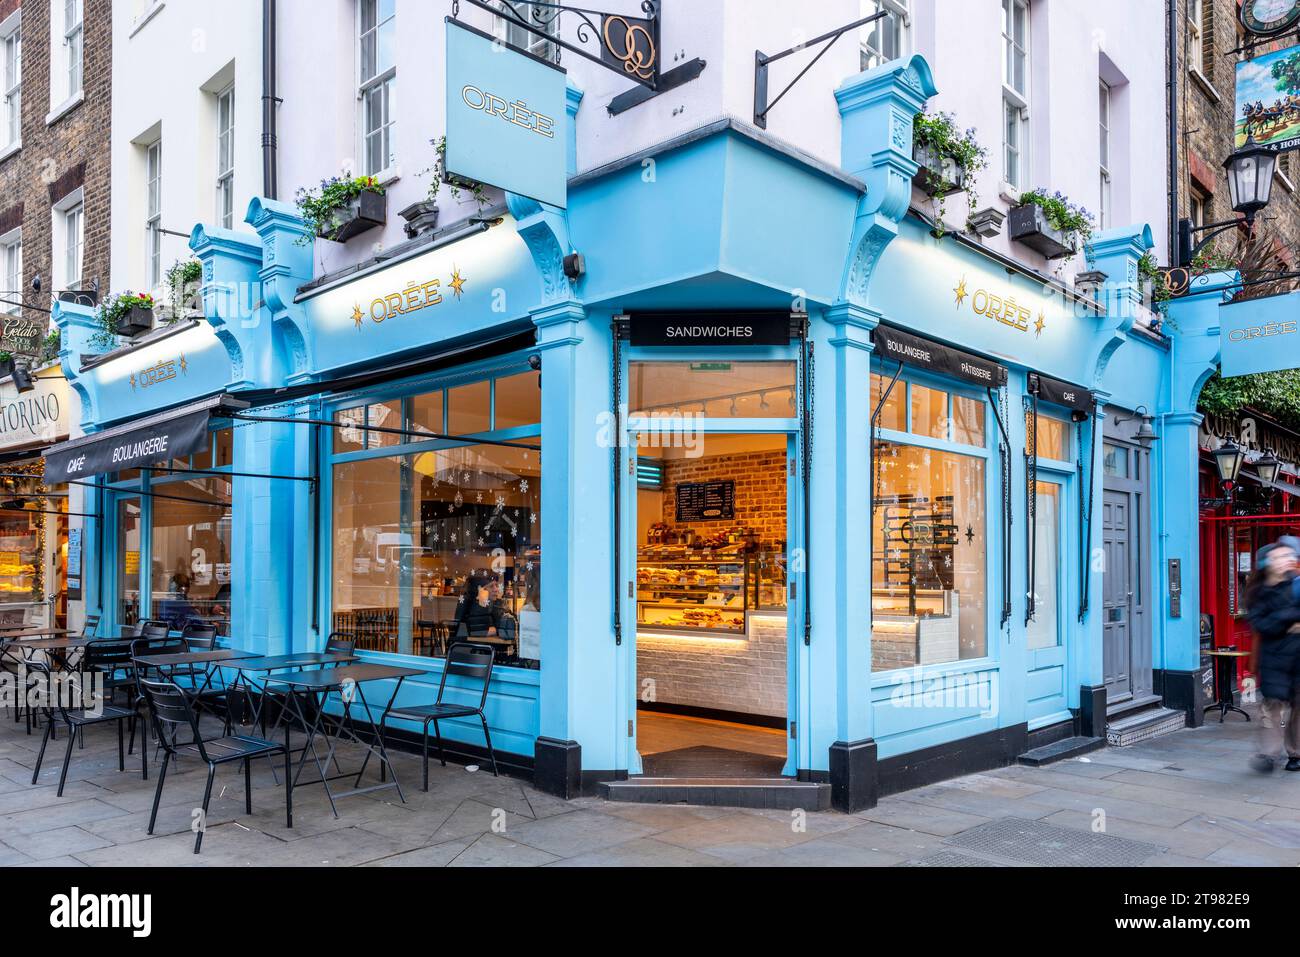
(929, 585)
(442, 543)
(1053, 437)
(893, 416)
(720, 390)
(190, 553)
(224, 448)
(359, 424)
(1043, 629)
(128, 561)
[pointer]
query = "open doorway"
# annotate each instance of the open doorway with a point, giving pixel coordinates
(712, 633)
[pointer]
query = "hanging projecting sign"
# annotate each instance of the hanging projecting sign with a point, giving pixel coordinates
(1268, 18)
(505, 117)
(36, 417)
(915, 351)
(1268, 100)
(710, 329)
(1259, 335)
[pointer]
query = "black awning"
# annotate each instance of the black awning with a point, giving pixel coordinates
(923, 353)
(1056, 391)
(158, 438)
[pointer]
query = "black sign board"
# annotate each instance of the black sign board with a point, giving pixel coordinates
(148, 445)
(710, 329)
(706, 501)
(925, 354)
(1061, 393)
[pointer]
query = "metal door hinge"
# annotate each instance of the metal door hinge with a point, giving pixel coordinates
(630, 593)
(631, 733)
(792, 468)
(794, 591)
(631, 465)
(794, 730)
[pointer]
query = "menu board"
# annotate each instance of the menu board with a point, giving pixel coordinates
(706, 501)
(74, 564)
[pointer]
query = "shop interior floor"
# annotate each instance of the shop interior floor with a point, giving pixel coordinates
(679, 746)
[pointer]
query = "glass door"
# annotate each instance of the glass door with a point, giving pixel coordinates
(1046, 689)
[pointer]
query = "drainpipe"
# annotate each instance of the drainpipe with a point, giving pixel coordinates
(1173, 132)
(270, 176)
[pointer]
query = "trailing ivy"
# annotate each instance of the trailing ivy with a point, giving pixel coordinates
(1060, 213)
(317, 208)
(939, 134)
(111, 311)
(183, 280)
(438, 174)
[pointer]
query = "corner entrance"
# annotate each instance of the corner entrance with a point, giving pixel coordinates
(712, 663)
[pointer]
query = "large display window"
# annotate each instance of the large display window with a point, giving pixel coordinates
(929, 570)
(173, 540)
(440, 538)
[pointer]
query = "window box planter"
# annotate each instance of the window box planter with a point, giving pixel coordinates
(134, 321)
(939, 173)
(363, 212)
(1027, 225)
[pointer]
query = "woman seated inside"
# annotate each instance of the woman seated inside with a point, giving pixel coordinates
(478, 616)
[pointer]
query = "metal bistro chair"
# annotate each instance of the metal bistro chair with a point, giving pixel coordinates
(172, 712)
(465, 659)
(141, 648)
(75, 718)
(153, 628)
(207, 690)
(90, 627)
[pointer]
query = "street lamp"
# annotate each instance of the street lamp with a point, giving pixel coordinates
(1228, 459)
(1267, 465)
(1250, 185)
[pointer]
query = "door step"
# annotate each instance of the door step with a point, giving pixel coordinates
(1137, 703)
(1143, 725)
(1060, 750)
(783, 794)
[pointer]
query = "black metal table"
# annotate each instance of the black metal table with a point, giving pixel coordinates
(346, 681)
(266, 664)
(1225, 681)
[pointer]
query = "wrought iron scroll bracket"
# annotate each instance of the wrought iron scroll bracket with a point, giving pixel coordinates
(762, 106)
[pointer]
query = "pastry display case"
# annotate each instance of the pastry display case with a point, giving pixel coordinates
(682, 588)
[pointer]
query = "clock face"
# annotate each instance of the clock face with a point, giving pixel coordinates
(1269, 17)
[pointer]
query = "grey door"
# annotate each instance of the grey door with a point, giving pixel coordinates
(1117, 596)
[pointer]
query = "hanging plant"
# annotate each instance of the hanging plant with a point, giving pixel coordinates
(950, 158)
(1153, 279)
(1061, 213)
(183, 280)
(319, 209)
(126, 314)
(455, 185)
(51, 346)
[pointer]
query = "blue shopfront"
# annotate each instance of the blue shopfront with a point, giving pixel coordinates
(812, 498)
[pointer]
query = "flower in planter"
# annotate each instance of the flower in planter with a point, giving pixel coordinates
(115, 309)
(317, 207)
(183, 280)
(1060, 213)
(939, 136)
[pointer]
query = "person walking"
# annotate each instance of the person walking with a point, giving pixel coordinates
(1274, 615)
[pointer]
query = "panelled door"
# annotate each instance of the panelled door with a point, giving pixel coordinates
(1126, 579)
(1117, 597)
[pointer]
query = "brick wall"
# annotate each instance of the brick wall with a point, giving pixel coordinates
(745, 675)
(1207, 105)
(55, 158)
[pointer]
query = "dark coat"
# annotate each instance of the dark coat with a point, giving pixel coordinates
(1273, 610)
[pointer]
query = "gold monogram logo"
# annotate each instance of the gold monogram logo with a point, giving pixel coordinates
(636, 60)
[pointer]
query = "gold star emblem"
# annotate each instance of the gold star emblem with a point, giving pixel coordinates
(132, 380)
(960, 291)
(457, 282)
(1040, 324)
(357, 315)
(184, 365)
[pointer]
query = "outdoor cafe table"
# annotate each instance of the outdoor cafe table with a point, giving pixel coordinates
(34, 632)
(265, 664)
(346, 681)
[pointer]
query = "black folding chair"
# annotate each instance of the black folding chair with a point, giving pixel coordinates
(76, 718)
(153, 628)
(173, 711)
(465, 659)
(140, 648)
(90, 627)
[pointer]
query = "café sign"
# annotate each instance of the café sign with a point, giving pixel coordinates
(505, 117)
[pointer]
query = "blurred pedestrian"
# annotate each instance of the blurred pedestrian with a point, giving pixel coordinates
(1274, 615)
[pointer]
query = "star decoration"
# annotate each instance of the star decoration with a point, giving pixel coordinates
(970, 534)
(457, 282)
(184, 364)
(960, 291)
(1040, 324)
(132, 380)
(357, 315)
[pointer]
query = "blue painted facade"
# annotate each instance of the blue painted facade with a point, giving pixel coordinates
(724, 219)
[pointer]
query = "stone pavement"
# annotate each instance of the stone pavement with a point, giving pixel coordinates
(1187, 798)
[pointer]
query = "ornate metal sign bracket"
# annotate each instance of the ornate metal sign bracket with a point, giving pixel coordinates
(762, 61)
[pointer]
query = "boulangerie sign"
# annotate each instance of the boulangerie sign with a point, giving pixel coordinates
(33, 418)
(148, 445)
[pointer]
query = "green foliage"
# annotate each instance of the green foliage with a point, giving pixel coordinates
(1149, 270)
(438, 174)
(111, 311)
(183, 280)
(1276, 394)
(1060, 212)
(51, 346)
(1286, 73)
(938, 133)
(317, 208)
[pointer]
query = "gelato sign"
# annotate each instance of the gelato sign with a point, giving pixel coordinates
(38, 417)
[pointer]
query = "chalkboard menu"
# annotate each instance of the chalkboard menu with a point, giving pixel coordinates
(706, 501)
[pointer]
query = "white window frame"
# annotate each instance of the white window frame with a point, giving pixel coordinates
(11, 259)
(1104, 112)
(1015, 100)
(74, 36)
(384, 85)
(1195, 43)
(517, 36)
(897, 25)
(226, 158)
(69, 259)
(1197, 207)
(153, 213)
(11, 37)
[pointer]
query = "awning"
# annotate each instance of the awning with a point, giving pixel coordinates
(925, 354)
(158, 438)
(1057, 392)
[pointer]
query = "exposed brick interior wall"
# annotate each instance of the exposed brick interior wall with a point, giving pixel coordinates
(760, 491)
(73, 147)
(744, 675)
